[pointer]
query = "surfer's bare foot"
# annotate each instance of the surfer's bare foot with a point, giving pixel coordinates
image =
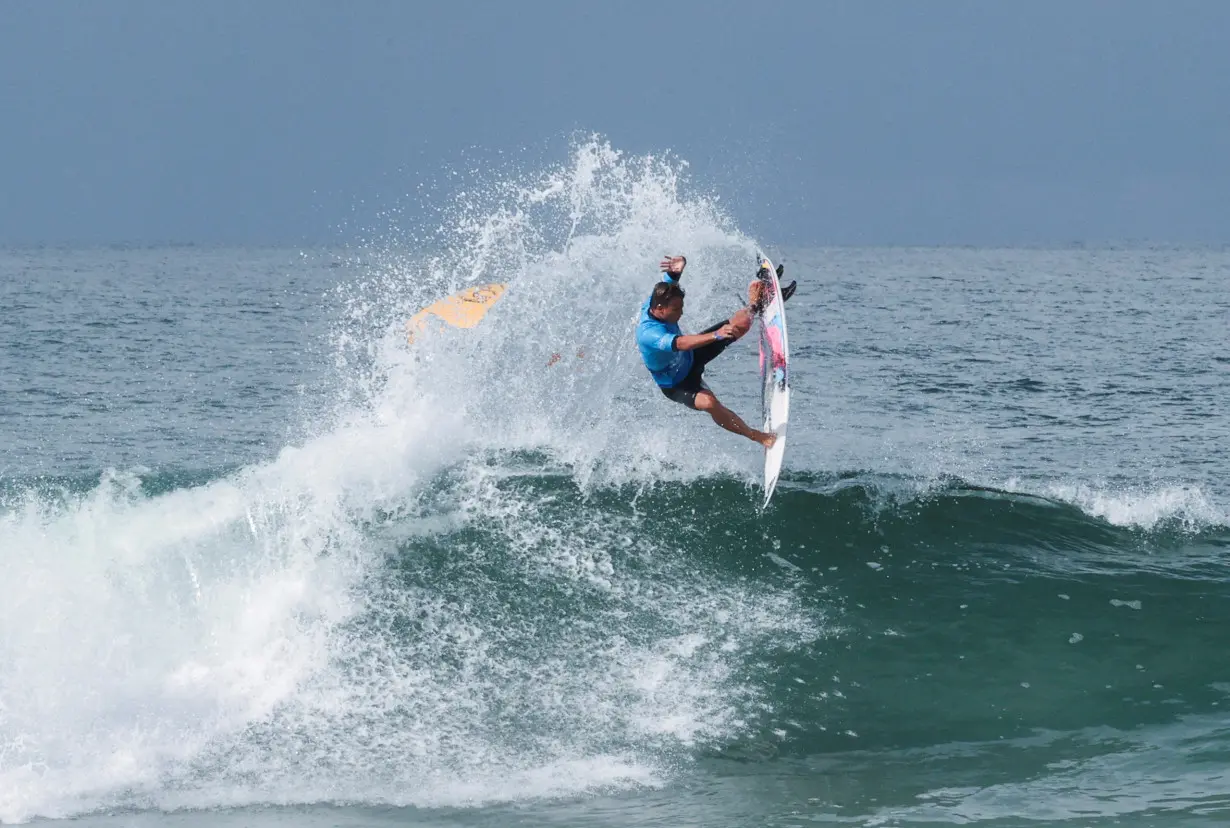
(755, 292)
(765, 438)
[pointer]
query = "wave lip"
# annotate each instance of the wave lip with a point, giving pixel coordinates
(1173, 530)
(1183, 507)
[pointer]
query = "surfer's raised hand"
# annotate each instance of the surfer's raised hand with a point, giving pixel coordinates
(673, 265)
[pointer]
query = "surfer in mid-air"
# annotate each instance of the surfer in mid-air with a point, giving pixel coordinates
(677, 361)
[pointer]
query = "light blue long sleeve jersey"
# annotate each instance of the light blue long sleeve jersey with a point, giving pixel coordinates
(656, 340)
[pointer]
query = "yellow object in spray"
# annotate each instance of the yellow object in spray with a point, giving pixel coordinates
(461, 310)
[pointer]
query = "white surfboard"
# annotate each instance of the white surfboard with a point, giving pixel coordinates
(774, 374)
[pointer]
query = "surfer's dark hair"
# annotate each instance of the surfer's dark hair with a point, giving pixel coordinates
(664, 293)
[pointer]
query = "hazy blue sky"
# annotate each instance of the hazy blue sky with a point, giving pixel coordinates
(890, 122)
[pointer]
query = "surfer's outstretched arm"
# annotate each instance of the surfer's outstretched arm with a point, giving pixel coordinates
(693, 341)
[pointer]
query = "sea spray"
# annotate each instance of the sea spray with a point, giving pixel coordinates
(371, 616)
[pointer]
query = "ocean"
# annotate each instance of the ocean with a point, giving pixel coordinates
(264, 563)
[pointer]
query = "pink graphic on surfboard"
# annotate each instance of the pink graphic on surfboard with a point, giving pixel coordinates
(772, 332)
(774, 335)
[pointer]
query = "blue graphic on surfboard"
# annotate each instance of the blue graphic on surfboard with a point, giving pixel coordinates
(774, 373)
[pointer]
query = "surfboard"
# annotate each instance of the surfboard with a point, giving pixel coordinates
(774, 374)
(464, 309)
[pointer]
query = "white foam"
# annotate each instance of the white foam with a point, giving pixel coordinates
(247, 641)
(1135, 506)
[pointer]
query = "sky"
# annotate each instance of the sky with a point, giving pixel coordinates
(861, 122)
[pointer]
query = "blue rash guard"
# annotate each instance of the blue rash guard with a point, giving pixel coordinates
(656, 339)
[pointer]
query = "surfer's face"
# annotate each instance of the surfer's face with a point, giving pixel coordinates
(671, 311)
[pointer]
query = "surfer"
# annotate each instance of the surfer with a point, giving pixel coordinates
(677, 361)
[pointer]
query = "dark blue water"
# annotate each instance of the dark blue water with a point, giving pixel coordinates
(265, 564)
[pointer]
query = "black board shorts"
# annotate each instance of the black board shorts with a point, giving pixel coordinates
(684, 392)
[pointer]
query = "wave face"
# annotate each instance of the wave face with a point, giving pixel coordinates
(459, 577)
(370, 615)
